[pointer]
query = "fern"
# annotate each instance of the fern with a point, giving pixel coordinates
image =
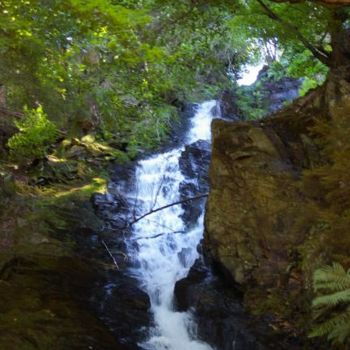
(334, 327)
(332, 308)
(332, 299)
(36, 132)
(333, 278)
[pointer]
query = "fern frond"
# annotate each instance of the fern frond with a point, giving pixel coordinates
(341, 333)
(332, 299)
(335, 329)
(334, 305)
(333, 278)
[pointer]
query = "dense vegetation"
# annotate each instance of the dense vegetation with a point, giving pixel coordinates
(86, 82)
(117, 68)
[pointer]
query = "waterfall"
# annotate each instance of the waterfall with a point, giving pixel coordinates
(163, 249)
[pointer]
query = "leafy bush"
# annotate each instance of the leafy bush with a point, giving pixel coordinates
(332, 307)
(35, 134)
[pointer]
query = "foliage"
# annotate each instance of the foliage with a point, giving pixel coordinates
(326, 217)
(332, 307)
(301, 64)
(82, 61)
(115, 67)
(250, 101)
(327, 184)
(35, 134)
(272, 29)
(254, 100)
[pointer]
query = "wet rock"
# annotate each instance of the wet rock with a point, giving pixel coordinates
(220, 316)
(275, 92)
(115, 207)
(253, 203)
(194, 165)
(124, 307)
(181, 125)
(122, 179)
(184, 257)
(195, 159)
(227, 106)
(284, 90)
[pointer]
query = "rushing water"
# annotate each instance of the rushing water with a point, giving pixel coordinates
(165, 249)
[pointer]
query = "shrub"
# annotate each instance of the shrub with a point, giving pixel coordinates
(35, 134)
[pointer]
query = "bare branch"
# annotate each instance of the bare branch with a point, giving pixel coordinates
(110, 254)
(168, 206)
(158, 235)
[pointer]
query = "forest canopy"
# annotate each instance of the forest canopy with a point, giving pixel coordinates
(118, 68)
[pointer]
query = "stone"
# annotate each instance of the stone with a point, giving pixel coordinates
(253, 203)
(219, 314)
(227, 106)
(194, 165)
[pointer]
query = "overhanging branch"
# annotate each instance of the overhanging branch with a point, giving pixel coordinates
(320, 54)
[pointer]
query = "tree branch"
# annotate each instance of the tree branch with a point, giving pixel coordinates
(158, 235)
(167, 206)
(320, 54)
(110, 254)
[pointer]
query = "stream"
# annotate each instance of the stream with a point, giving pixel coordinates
(162, 248)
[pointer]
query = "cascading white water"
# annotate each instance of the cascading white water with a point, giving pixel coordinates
(165, 250)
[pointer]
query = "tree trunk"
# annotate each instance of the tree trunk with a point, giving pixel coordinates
(340, 40)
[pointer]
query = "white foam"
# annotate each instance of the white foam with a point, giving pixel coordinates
(159, 257)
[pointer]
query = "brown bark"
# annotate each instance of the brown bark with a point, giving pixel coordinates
(340, 40)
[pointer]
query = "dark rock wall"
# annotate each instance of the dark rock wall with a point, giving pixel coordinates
(267, 224)
(253, 203)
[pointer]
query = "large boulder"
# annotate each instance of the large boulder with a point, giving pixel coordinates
(253, 203)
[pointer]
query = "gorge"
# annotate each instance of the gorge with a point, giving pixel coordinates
(133, 215)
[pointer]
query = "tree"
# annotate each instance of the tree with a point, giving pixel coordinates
(88, 65)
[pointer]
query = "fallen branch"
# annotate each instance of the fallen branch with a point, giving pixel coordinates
(110, 254)
(167, 206)
(158, 235)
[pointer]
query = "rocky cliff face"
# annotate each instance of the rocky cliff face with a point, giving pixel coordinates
(252, 204)
(277, 208)
(252, 222)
